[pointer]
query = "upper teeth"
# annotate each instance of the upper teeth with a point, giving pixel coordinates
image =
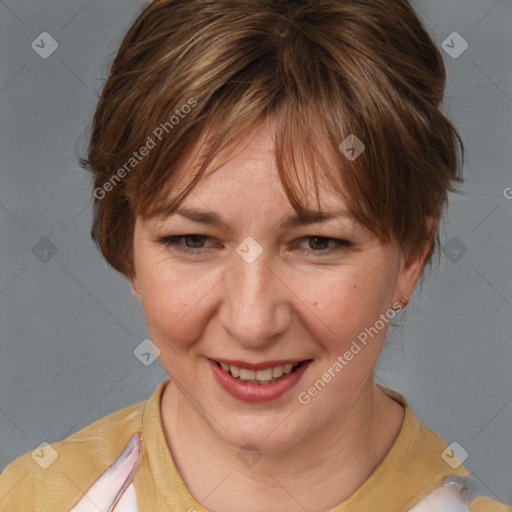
(262, 375)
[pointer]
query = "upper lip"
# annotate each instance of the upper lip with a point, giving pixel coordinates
(259, 366)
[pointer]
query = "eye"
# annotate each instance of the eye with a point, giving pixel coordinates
(174, 242)
(318, 244)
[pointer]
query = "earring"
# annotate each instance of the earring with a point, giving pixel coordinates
(405, 300)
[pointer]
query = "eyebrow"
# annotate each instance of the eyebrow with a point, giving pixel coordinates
(214, 219)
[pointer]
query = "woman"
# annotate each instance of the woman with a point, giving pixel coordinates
(269, 175)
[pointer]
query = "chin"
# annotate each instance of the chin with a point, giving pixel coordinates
(261, 438)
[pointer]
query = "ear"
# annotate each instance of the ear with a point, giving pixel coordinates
(135, 287)
(412, 260)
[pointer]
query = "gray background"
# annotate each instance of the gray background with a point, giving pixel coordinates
(70, 325)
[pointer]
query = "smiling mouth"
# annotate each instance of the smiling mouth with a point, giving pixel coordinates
(263, 376)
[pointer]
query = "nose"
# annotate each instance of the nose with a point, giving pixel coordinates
(256, 303)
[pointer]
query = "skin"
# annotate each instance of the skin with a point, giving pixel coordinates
(288, 303)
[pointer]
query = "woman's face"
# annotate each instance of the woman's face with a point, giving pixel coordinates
(259, 291)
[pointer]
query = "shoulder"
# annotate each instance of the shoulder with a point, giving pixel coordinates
(68, 467)
(488, 505)
(418, 450)
(454, 498)
(421, 455)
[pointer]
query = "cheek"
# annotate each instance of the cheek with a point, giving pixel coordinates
(344, 297)
(174, 305)
(344, 304)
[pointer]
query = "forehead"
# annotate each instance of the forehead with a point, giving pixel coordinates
(248, 168)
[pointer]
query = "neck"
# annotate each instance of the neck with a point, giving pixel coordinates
(334, 461)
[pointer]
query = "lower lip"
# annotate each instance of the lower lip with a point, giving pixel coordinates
(250, 392)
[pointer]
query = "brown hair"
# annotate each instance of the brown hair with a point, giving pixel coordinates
(325, 69)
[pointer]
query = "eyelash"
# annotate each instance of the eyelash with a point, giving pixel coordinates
(173, 243)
